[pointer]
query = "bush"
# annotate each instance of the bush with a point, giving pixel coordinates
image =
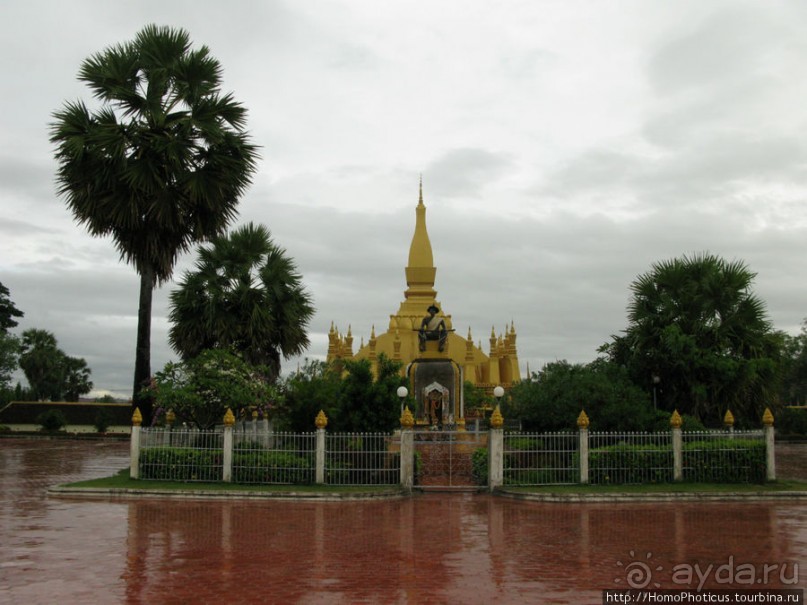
(792, 422)
(479, 466)
(725, 461)
(181, 464)
(102, 420)
(52, 420)
(625, 463)
(262, 466)
(709, 461)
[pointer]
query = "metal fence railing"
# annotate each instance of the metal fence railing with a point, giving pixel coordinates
(511, 458)
(541, 458)
(362, 459)
(725, 456)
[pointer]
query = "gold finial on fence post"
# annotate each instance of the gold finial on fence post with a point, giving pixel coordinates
(170, 417)
(728, 419)
(321, 421)
(675, 420)
(137, 417)
(582, 420)
(229, 418)
(767, 417)
(496, 419)
(407, 420)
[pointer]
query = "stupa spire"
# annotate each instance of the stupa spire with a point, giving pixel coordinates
(420, 269)
(420, 250)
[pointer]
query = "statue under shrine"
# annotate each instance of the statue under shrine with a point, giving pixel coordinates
(434, 408)
(433, 328)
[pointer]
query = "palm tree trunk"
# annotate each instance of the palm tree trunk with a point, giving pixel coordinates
(142, 374)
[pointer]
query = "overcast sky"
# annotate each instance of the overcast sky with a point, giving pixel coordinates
(565, 146)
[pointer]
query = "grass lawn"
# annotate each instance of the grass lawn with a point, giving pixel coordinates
(667, 488)
(122, 481)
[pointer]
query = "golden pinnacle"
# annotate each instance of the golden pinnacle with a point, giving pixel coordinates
(582, 420)
(407, 420)
(675, 420)
(321, 421)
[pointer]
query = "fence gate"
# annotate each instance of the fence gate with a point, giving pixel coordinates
(443, 460)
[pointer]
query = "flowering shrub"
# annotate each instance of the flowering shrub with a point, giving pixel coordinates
(200, 390)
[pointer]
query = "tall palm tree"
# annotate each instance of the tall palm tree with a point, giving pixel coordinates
(159, 165)
(245, 295)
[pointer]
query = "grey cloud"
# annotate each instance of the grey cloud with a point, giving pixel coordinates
(467, 171)
(727, 44)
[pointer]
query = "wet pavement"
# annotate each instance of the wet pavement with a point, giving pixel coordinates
(434, 548)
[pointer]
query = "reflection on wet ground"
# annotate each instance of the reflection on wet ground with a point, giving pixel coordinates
(435, 548)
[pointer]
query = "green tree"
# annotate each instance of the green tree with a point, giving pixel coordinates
(476, 399)
(9, 343)
(199, 390)
(52, 374)
(695, 324)
(9, 354)
(76, 378)
(8, 311)
(794, 368)
(369, 403)
(246, 295)
(553, 398)
(313, 387)
(159, 166)
(42, 362)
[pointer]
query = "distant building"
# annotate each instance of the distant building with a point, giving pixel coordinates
(435, 358)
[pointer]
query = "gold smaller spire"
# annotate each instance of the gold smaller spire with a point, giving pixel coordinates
(496, 419)
(582, 420)
(407, 420)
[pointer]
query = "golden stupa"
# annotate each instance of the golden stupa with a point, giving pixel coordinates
(404, 340)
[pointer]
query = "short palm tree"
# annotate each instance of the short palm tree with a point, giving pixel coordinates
(695, 322)
(160, 165)
(244, 295)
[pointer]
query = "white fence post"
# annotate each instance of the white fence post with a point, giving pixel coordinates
(407, 450)
(770, 446)
(134, 445)
(582, 425)
(227, 462)
(321, 422)
(678, 446)
(496, 450)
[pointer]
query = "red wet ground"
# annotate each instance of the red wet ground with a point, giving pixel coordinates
(435, 548)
